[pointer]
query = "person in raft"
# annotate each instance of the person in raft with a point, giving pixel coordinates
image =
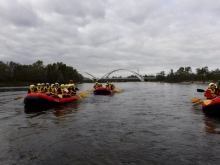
(38, 88)
(218, 88)
(64, 90)
(32, 89)
(73, 85)
(42, 88)
(211, 92)
(52, 88)
(48, 88)
(107, 85)
(71, 89)
(96, 85)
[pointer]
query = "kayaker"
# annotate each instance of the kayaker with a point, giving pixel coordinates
(211, 93)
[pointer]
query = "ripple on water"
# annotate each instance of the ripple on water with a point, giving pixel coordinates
(147, 123)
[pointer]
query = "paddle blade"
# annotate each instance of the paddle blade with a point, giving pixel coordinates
(60, 96)
(200, 90)
(18, 97)
(88, 90)
(198, 103)
(207, 102)
(194, 100)
(117, 90)
(82, 94)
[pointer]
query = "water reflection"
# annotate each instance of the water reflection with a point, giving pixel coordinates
(196, 110)
(212, 124)
(152, 119)
(60, 110)
(66, 109)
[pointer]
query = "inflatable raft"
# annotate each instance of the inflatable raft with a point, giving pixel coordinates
(43, 100)
(211, 107)
(103, 91)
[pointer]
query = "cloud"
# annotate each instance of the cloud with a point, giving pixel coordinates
(18, 13)
(104, 35)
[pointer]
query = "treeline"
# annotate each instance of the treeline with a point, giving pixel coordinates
(186, 74)
(15, 73)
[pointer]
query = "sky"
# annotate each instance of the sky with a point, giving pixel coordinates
(99, 36)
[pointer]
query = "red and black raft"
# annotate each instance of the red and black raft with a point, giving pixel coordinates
(43, 100)
(211, 107)
(103, 91)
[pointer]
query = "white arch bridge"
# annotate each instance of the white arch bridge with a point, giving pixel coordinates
(118, 75)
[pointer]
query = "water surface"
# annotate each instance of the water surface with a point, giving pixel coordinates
(147, 123)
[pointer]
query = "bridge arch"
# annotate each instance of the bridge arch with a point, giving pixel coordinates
(91, 77)
(138, 75)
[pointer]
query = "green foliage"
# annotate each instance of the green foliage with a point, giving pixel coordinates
(38, 73)
(185, 74)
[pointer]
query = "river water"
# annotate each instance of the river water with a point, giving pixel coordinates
(146, 123)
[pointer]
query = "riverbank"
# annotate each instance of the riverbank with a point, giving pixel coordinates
(20, 84)
(198, 82)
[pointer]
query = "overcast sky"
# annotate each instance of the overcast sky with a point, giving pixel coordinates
(98, 36)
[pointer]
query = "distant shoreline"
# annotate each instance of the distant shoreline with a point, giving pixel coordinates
(197, 82)
(10, 84)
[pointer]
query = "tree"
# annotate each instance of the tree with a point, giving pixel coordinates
(180, 71)
(160, 76)
(188, 70)
(38, 65)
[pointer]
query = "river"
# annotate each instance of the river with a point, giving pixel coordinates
(146, 123)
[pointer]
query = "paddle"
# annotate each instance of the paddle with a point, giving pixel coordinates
(18, 97)
(198, 103)
(206, 102)
(200, 90)
(194, 100)
(83, 94)
(88, 90)
(117, 90)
